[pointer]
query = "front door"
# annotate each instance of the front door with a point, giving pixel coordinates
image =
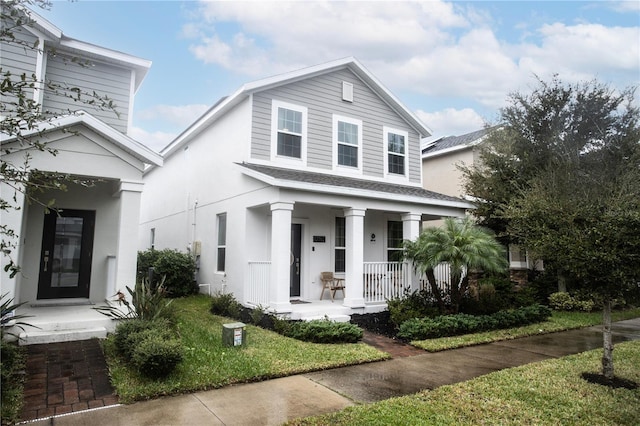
(65, 261)
(296, 249)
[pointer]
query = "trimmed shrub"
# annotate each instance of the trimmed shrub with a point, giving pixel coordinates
(226, 305)
(178, 270)
(325, 331)
(156, 356)
(452, 325)
(418, 304)
(562, 301)
(129, 334)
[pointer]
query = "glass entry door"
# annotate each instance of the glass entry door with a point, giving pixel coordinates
(65, 261)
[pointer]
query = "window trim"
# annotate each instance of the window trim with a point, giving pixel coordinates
(275, 105)
(385, 140)
(222, 246)
(337, 118)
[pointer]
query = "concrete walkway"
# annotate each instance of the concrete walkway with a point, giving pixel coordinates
(274, 402)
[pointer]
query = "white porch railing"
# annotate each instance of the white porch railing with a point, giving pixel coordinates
(257, 291)
(442, 273)
(385, 280)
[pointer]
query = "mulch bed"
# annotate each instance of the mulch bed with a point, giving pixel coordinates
(615, 383)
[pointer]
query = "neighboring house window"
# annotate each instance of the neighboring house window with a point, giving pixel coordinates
(347, 136)
(395, 151)
(289, 127)
(340, 245)
(222, 242)
(394, 241)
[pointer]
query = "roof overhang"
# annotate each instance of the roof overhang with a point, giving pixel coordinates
(129, 145)
(344, 190)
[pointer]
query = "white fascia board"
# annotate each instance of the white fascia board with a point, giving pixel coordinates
(45, 26)
(354, 192)
(446, 151)
(130, 145)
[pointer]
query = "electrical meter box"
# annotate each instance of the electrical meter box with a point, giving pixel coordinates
(234, 334)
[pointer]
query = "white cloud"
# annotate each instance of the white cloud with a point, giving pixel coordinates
(434, 48)
(179, 115)
(153, 140)
(452, 122)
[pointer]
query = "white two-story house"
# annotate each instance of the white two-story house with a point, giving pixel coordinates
(78, 253)
(316, 170)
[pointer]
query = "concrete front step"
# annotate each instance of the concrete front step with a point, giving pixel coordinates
(69, 335)
(335, 318)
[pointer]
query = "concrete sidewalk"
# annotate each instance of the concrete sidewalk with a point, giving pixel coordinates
(276, 401)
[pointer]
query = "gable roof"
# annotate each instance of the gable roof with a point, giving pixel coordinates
(225, 104)
(54, 37)
(131, 146)
(455, 143)
(328, 183)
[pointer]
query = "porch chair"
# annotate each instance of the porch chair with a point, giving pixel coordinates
(332, 283)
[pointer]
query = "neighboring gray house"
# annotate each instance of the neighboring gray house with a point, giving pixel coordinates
(80, 255)
(316, 170)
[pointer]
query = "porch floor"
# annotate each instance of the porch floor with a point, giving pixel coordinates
(334, 310)
(54, 323)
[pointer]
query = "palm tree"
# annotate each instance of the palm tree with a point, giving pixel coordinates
(462, 245)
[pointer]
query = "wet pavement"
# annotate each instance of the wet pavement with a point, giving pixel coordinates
(273, 402)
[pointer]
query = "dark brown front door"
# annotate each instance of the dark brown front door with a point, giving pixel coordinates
(67, 247)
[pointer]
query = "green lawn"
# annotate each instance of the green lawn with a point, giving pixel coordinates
(208, 364)
(559, 321)
(550, 392)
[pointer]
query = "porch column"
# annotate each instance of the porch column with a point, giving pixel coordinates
(279, 281)
(354, 291)
(13, 219)
(127, 251)
(411, 231)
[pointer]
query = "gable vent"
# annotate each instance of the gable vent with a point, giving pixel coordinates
(347, 91)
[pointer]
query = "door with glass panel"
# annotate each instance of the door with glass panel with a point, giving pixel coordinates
(65, 260)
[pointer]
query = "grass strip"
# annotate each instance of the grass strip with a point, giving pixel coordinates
(559, 321)
(209, 364)
(550, 392)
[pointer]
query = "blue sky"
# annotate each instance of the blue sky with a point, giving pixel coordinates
(452, 63)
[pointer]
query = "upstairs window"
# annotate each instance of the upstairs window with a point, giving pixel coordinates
(289, 124)
(395, 149)
(347, 135)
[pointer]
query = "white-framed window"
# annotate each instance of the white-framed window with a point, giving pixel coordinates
(221, 262)
(395, 151)
(288, 131)
(395, 240)
(340, 245)
(347, 142)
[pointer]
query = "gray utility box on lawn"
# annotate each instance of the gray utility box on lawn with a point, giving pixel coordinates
(234, 334)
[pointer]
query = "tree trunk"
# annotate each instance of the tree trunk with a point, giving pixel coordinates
(431, 277)
(455, 292)
(562, 283)
(607, 356)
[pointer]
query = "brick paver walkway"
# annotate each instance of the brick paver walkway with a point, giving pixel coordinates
(393, 347)
(65, 377)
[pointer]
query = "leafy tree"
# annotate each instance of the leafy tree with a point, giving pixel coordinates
(461, 244)
(570, 159)
(23, 119)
